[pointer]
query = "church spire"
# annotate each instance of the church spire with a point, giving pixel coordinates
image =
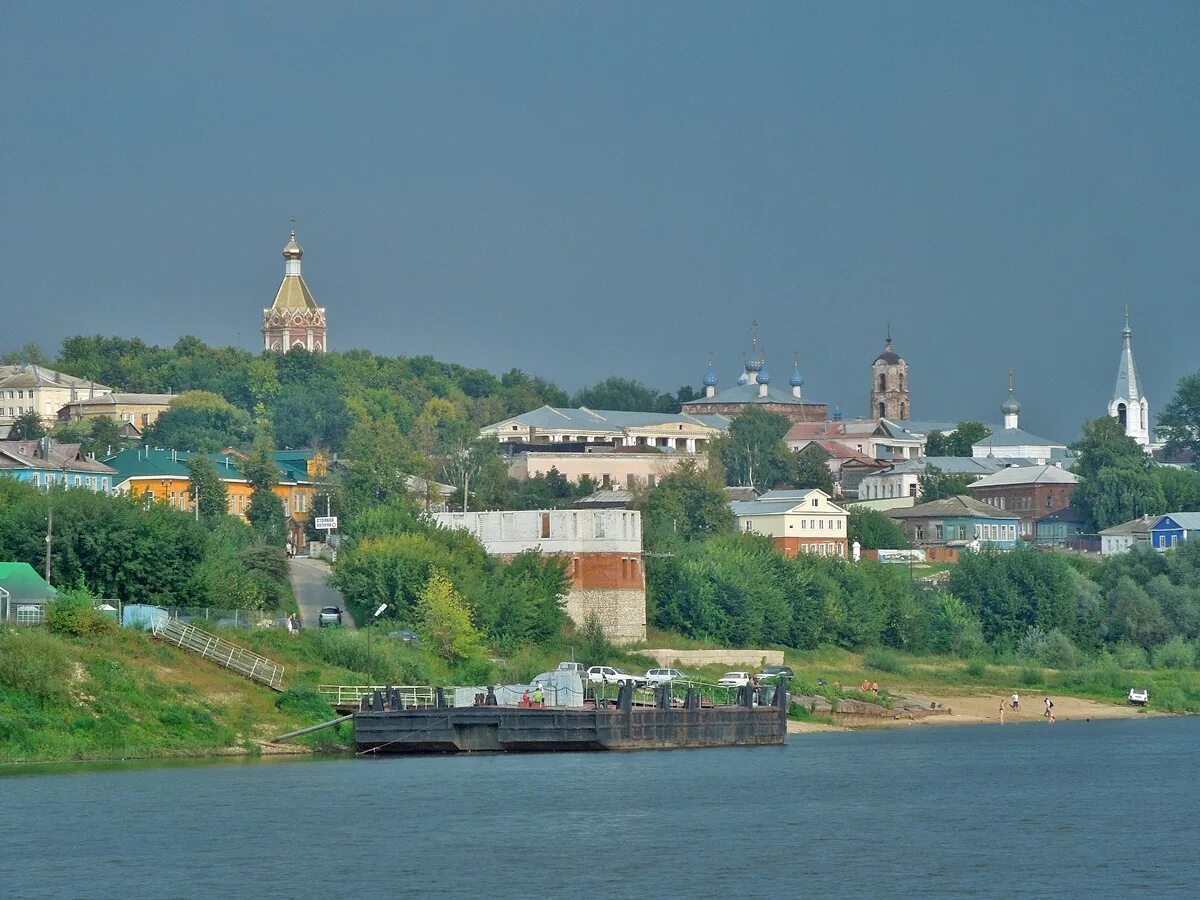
(1129, 405)
(294, 321)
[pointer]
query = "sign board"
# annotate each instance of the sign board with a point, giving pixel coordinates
(326, 523)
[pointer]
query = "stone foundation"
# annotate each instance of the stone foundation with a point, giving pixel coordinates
(622, 613)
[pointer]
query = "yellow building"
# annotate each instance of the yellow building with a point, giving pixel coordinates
(138, 411)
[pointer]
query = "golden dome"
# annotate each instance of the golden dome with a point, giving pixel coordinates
(292, 250)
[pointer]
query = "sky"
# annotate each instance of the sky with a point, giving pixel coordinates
(586, 189)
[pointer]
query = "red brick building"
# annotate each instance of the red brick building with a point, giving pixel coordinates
(1029, 491)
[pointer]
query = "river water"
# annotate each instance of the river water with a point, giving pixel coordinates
(1075, 809)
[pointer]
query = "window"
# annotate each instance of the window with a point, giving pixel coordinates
(598, 524)
(912, 490)
(749, 524)
(126, 417)
(30, 614)
(78, 480)
(937, 531)
(815, 502)
(1049, 501)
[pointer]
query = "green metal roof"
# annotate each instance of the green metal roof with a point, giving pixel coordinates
(23, 583)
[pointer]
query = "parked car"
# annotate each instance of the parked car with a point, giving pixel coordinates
(734, 679)
(601, 674)
(1139, 696)
(655, 677)
(575, 667)
(770, 673)
(329, 615)
(411, 638)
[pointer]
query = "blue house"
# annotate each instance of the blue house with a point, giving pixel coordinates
(45, 463)
(958, 521)
(1173, 529)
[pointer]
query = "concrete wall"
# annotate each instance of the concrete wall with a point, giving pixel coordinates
(749, 659)
(622, 613)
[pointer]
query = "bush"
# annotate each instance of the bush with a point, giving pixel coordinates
(73, 612)
(1130, 657)
(1057, 651)
(32, 662)
(1175, 654)
(1032, 677)
(884, 661)
(976, 668)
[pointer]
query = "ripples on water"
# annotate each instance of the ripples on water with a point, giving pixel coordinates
(1078, 809)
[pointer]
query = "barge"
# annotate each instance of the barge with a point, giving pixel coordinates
(385, 725)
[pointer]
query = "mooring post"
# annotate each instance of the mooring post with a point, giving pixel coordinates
(664, 696)
(364, 703)
(748, 696)
(625, 703)
(691, 701)
(387, 696)
(440, 698)
(377, 701)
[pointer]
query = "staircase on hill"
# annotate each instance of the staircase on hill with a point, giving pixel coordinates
(222, 652)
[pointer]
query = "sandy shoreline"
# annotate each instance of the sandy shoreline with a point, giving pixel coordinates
(984, 710)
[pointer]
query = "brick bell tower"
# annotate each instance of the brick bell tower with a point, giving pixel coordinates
(889, 385)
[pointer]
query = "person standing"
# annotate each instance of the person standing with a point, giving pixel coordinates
(1016, 702)
(537, 694)
(1050, 710)
(1001, 710)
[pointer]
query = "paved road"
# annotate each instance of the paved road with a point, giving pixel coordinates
(310, 580)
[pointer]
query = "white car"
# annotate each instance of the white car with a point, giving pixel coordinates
(607, 674)
(734, 679)
(1139, 696)
(655, 677)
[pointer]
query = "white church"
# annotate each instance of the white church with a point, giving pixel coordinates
(1129, 405)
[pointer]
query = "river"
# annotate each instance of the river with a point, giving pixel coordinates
(1073, 809)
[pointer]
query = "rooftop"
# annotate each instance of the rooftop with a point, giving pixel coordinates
(950, 508)
(1017, 437)
(748, 393)
(126, 399)
(1017, 475)
(558, 418)
(60, 457)
(40, 376)
(951, 465)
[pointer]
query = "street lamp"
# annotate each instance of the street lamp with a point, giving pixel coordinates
(370, 623)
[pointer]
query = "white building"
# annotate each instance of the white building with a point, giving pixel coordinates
(1012, 442)
(1124, 537)
(677, 432)
(603, 549)
(26, 389)
(903, 479)
(804, 521)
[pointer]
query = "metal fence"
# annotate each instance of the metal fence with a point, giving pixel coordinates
(227, 618)
(222, 652)
(351, 694)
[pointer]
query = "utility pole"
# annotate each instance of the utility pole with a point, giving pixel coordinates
(49, 535)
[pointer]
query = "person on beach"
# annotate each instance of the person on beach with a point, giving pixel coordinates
(1049, 714)
(1001, 710)
(1016, 701)
(875, 688)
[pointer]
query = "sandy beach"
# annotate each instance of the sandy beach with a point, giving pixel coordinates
(984, 710)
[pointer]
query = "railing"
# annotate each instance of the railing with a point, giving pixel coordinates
(222, 652)
(351, 694)
(227, 618)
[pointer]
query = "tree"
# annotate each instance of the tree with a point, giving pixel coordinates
(754, 452)
(265, 514)
(523, 603)
(687, 505)
(1118, 494)
(1179, 421)
(208, 490)
(957, 442)
(27, 427)
(380, 459)
(31, 354)
(934, 484)
(625, 394)
(446, 621)
(810, 469)
(874, 530)
(464, 455)
(201, 421)
(1104, 445)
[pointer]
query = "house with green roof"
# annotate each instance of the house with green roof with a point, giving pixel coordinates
(23, 594)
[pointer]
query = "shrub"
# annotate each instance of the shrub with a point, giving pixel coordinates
(1130, 657)
(1175, 654)
(307, 705)
(73, 612)
(1032, 677)
(884, 661)
(1057, 651)
(976, 668)
(32, 662)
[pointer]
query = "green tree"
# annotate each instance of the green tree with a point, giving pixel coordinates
(1118, 494)
(1104, 445)
(265, 512)
(207, 489)
(31, 354)
(810, 469)
(625, 394)
(1179, 421)
(874, 530)
(380, 461)
(201, 421)
(934, 484)
(687, 505)
(754, 452)
(445, 621)
(957, 442)
(523, 603)
(26, 427)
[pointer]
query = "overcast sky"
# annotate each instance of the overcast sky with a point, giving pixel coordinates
(588, 189)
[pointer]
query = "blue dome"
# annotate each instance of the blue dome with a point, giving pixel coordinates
(744, 378)
(710, 378)
(837, 412)
(1010, 407)
(764, 377)
(797, 380)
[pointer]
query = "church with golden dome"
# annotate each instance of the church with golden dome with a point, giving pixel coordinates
(294, 321)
